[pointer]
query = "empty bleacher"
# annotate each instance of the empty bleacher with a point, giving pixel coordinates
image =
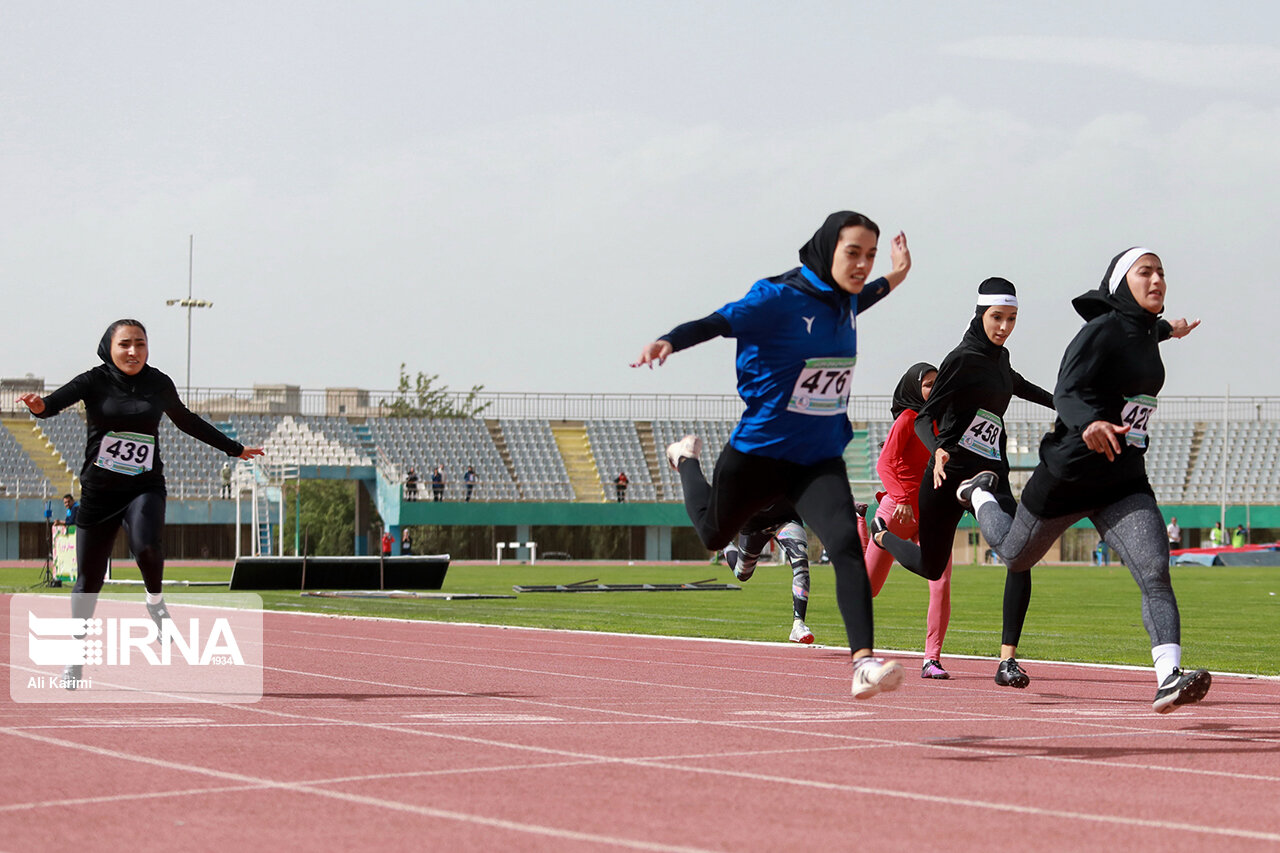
(19, 475)
(616, 447)
(297, 440)
(1186, 461)
(539, 469)
(455, 443)
(714, 435)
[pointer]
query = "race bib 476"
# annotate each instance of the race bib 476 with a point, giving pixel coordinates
(823, 387)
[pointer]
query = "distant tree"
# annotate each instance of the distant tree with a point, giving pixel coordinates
(328, 517)
(418, 397)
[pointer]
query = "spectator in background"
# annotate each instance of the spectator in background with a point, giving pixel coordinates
(1174, 534)
(225, 475)
(1102, 554)
(620, 486)
(470, 479)
(72, 509)
(386, 543)
(1238, 536)
(411, 485)
(437, 484)
(1215, 535)
(406, 543)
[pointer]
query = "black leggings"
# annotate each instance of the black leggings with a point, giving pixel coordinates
(940, 514)
(744, 484)
(143, 521)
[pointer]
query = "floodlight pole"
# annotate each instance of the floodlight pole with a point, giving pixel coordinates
(189, 303)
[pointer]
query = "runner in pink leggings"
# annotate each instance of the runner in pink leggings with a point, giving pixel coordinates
(901, 467)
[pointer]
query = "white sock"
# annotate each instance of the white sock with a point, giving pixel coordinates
(1167, 657)
(980, 498)
(155, 597)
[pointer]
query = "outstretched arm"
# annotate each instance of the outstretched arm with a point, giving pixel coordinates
(1031, 391)
(1178, 328)
(682, 337)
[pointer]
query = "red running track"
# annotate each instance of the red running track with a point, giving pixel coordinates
(383, 735)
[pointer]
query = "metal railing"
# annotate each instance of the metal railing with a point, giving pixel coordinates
(360, 403)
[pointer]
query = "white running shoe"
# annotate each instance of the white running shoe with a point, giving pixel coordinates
(689, 447)
(800, 632)
(872, 675)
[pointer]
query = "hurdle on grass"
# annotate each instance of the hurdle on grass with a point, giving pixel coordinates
(532, 546)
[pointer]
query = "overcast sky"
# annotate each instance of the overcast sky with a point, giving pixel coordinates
(522, 194)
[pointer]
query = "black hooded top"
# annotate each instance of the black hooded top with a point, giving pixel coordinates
(1113, 358)
(975, 375)
(115, 402)
(908, 394)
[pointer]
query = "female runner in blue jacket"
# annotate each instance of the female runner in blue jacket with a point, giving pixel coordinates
(797, 344)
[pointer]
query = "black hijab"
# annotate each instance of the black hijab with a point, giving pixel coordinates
(144, 381)
(993, 291)
(818, 253)
(908, 394)
(1113, 293)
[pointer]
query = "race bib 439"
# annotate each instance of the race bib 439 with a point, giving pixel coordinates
(126, 452)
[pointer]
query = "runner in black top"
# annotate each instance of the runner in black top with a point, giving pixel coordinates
(1092, 464)
(123, 473)
(967, 406)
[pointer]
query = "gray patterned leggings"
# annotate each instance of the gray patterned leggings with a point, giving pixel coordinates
(1132, 526)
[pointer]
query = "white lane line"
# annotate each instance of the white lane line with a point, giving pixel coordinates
(1075, 721)
(855, 789)
(853, 741)
(360, 799)
(711, 640)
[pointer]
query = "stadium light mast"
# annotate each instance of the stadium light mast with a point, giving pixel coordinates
(189, 303)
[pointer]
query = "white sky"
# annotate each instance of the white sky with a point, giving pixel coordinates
(522, 194)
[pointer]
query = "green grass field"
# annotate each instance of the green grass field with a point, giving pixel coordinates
(1230, 616)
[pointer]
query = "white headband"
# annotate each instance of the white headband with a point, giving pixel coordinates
(998, 299)
(1127, 260)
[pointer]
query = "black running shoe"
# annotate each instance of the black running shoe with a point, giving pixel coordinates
(877, 526)
(1181, 688)
(860, 509)
(1009, 674)
(158, 613)
(933, 669)
(985, 480)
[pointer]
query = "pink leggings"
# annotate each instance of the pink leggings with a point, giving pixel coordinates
(879, 561)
